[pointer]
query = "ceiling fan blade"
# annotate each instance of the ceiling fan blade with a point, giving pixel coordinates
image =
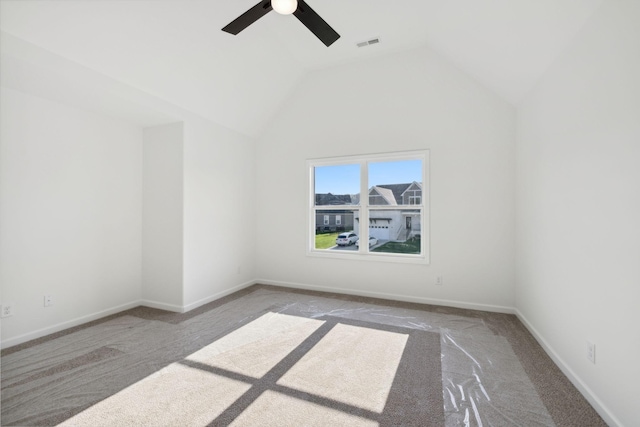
(249, 17)
(315, 23)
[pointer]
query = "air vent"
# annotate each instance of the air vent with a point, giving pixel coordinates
(368, 42)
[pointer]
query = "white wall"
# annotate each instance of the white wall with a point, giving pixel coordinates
(578, 210)
(192, 169)
(198, 221)
(162, 216)
(408, 101)
(70, 202)
(219, 205)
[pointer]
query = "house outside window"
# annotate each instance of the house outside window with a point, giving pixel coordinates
(392, 218)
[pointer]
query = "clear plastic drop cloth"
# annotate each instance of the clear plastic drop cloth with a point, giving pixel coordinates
(485, 385)
(483, 382)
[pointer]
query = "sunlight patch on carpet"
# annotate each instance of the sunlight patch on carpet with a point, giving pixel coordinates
(352, 365)
(275, 409)
(176, 395)
(257, 347)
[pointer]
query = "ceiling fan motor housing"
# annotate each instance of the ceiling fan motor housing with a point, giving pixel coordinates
(300, 10)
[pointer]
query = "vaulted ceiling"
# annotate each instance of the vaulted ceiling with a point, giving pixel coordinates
(175, 49)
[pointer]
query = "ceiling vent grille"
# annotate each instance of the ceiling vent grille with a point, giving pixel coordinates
(368, 42)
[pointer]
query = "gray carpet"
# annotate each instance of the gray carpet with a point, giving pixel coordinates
(320, 359)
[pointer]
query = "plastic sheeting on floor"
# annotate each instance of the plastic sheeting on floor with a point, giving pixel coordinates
(483, 381)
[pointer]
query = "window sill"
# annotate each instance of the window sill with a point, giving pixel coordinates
(375, 257)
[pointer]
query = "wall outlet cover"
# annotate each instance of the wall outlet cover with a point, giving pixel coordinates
(6, 310)
(591, 352)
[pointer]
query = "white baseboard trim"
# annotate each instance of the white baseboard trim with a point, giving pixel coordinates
(588, 394)
(10, 342)
(219, 295)
(67, 324)
(161, 305)
(395, 297)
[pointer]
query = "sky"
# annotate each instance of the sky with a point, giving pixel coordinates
(345, 179)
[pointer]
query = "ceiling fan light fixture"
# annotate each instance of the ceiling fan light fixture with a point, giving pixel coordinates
(284, 7)
(299, 8)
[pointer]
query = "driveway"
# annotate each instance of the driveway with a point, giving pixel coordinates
(355, 248)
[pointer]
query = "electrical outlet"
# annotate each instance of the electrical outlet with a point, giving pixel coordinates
(48, 300)
(439, 280)
(591, 352)
(7, 310)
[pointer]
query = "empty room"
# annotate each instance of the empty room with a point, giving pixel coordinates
(319, 212)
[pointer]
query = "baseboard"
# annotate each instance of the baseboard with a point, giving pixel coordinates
(67, 324)
(588, 394)
(104, 313)
(162, 306)
(219, 295)
(395, 297)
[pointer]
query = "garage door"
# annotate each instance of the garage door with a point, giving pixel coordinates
(380, 232)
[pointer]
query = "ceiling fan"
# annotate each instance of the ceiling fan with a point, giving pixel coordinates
(299, 8)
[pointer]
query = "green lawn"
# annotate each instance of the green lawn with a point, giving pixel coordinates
(411, 246)
(326, 241)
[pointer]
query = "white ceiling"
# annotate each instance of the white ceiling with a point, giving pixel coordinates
(175, 50)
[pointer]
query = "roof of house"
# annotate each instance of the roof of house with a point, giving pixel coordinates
(332, 199)
(391, 192)
(399, 189)
(386, 194)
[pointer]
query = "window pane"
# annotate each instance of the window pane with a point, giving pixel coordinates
(337, 185)
(383, 196)
(395, 183)
(396, 231)
(335, 224)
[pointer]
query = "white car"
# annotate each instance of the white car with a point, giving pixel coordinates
(346, 239)
(372, 241)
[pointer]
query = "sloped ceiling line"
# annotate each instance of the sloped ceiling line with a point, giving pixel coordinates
(175, 49)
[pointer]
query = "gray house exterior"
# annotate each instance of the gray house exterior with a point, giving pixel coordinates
(395, 225)
(330, 221)
(387, 224)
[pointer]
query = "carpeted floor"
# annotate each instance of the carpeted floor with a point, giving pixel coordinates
(276, 356)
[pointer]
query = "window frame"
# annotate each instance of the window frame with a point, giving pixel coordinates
(362, 209)
(412, 200)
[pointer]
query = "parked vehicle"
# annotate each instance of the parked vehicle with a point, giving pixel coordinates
(346, 239)
(372, 241)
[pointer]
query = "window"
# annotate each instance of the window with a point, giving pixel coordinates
(326, 220)
(391, 217)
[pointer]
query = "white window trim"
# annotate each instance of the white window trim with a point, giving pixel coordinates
(362, 210)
